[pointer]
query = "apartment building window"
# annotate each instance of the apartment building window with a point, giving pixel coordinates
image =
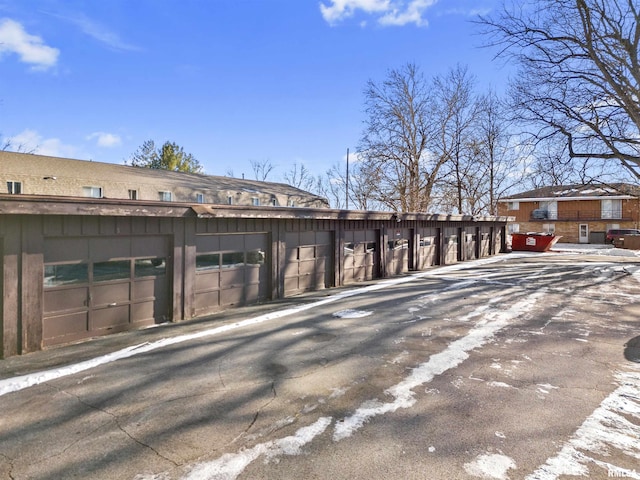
(92, 192)
(14, 187)
(513, 228)
(133, 195)
(549, 228)
(274, 202)
(551, 207)
(255, 201)
(230, 200)
(165, 196)
(513, 205)
(611, 209)
(291, 203)
(200, 197)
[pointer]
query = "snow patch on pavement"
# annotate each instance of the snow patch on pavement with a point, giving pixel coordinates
(229, 466)
(352, 314)
(607, 428)
(15, 384)
(490, 466)
(455, 353)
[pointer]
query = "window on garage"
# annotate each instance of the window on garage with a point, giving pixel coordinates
(66, 274)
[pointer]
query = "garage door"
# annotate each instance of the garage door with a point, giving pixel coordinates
(230, 270)
(360, 256)
(309, 262)
(97, 286)
(428, 253)
(398, 252)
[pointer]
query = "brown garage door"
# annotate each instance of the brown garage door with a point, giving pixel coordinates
(309, 261)
(428, 253)
(97, 286)
(230, 270)
(398, 251)
(361, 256)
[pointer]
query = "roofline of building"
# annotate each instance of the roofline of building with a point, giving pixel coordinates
(567, 199)
(26, 204)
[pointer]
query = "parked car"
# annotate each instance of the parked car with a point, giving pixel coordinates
(618, 232)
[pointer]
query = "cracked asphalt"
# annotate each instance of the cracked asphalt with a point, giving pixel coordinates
(493, 369)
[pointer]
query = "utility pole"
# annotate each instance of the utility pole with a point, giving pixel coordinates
(346, 190)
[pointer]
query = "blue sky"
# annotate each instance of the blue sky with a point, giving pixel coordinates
(229, 80)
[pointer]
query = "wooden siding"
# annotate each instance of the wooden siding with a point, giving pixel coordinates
(119, 231)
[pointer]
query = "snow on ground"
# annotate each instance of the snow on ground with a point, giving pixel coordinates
(598, 431)
(594, 249)
(605, 429)
(15, 384)
(452, 356)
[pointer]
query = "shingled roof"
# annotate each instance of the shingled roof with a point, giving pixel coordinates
(39, 167)
(580, 191)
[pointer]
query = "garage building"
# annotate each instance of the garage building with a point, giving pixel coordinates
(75, 268)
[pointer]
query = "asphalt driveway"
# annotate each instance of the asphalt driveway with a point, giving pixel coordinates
(519, 366)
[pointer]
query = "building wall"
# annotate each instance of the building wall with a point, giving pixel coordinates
(572, 214)
(141, 269)
(41, 175)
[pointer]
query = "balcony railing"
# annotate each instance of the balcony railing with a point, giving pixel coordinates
(578, 215)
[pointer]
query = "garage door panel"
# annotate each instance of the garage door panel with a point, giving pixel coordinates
(106, 248)
(323, 237)
(241, 295)
(145, 288)
(291, 255)
(254, 275)
(110, 293)
(66, 249)
(291, 284)
(232, 278)
(207, 243)
(254, 242)
(109, 317)
(306, 253)
(349, 261)
(60, 326)
(208, 281)
(232, 242)
(66, 299)
(307, 238)
(149, 247)
(307, 268)
(207, 302)
(142, 311)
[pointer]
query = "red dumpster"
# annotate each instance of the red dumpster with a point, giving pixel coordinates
(533, 242)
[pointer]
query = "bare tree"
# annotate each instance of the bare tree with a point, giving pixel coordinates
(299, 176)
(7, 145)
(579, 73)
(394, 157)
(261, 169)
(500, 156)
(456, 119)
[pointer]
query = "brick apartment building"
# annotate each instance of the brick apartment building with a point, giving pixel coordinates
(579, 213)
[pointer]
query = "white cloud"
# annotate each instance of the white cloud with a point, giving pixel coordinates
(340, 9)
(389, 12)
(106, 139)
(32, 141)
(97, 31)
(30, 48)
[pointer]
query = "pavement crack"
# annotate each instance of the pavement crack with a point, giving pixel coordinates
(10, 461)
(274, 395)
(118, 424)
